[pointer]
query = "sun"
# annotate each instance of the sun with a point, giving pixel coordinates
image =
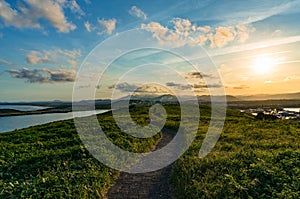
(263, 64)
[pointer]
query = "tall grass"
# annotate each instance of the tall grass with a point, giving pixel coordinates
(252, 159)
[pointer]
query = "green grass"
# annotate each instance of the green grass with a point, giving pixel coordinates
(49, 161)
(252, 159)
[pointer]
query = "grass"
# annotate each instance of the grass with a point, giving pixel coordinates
(49, 161)
(252, 159)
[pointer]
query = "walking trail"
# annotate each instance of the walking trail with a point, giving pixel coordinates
(145, 185)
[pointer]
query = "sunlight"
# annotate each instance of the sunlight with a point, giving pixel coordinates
(263, 64)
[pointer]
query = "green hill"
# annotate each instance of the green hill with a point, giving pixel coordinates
(252, 159)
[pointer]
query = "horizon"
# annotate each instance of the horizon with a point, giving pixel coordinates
(157, 95)
(254, 52)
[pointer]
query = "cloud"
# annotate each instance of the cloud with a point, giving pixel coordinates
(152, 89)
(43, 75)
(70, 53)
(222, 36)
(73, 6)
(183, 32)
(126, 87)
(87, 26)
(35, 57)
(204, 29)
(268, 82)
(6, 62)
(289, 79)
(231, 12)
(163, 34)
(196, 75)
(258, 13)
(276, 33)
(108, 25)
(241, 87)
(49, 56)
(61, 75)
(292, 77)
(183, 26)
(178, 86)
(29, 16)
(136, 12)
(73, 64)
(256, 45)
(203, 85)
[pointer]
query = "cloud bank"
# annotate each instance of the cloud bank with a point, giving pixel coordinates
(43, 75)
(126, 87)
(183, 32)
(29, 15)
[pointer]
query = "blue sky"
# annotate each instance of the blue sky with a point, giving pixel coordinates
(253, 44)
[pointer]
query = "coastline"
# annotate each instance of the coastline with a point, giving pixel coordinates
(32, 120)
(14, 112)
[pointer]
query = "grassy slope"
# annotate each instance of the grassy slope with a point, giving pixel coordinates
(49, 161)
(252, 159)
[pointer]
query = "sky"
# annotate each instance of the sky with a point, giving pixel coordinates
(50, 48)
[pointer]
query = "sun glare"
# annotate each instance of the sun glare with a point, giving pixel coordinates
(263, 64)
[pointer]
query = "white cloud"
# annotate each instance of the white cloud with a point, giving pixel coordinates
(222, 36)
(49, 56)
(28, 16)
(70, 53)
(257, 45)
(205, 29)
(163, 34)
(136, 12)
(35, 57)
(74, 7)
(184, 32)
(8, 63)
(108, 25)
(87, 26)
(183, 26)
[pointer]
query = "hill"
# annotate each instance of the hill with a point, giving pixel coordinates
(252, 159)
(283, 96)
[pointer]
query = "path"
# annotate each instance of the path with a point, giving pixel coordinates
(146, 185)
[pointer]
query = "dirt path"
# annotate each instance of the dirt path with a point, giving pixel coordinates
(147, 185)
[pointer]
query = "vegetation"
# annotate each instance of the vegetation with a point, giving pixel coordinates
(49, 161)
(252, 159)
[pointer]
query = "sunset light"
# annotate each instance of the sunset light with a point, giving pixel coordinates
(149, 99)
(263, 64)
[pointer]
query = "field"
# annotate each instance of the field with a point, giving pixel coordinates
(49, 161)
(252, 159)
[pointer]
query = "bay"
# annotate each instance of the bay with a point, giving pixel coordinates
(11, 123)
(23, 107)
(292, 109)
